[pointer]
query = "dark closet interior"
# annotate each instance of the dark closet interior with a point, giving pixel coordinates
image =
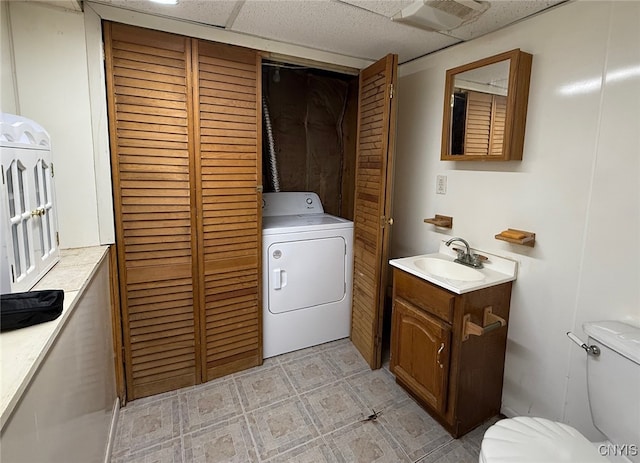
(313, 116)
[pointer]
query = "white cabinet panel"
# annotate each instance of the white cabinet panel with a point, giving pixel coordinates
(28, 213)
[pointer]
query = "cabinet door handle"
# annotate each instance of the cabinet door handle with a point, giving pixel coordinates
(438, 356)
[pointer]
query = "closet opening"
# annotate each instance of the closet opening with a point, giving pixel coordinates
(313, 116)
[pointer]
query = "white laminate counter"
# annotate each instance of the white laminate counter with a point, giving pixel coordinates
(22, 350)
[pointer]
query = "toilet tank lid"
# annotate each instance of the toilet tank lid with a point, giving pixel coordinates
(618, 336)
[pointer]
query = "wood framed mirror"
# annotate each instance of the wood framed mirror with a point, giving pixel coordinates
(485, 108)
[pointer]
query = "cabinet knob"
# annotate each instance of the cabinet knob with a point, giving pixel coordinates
(40, 211)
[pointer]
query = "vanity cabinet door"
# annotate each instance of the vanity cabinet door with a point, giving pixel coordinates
(420, 348)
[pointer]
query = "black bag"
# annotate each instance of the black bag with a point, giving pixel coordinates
(19, 310)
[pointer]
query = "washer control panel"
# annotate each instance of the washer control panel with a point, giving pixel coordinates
(291, 203)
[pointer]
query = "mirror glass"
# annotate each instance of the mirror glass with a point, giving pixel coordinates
(478, 113)
(485, 108)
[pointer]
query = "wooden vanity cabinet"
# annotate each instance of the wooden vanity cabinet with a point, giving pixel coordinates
(458, 381)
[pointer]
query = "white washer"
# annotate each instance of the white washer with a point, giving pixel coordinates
(307, 266)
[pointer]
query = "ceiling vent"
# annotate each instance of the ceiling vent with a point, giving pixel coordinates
(440, 15)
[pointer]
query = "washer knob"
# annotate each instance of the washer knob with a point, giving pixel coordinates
(309, 200)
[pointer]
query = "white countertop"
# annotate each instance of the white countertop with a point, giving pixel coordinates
(496, 270)
(22, 350)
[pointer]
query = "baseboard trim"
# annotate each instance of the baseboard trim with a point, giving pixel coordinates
(508, 412)
(112, 430)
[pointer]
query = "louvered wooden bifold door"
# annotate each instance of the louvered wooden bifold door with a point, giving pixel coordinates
(374, 162)
(486, 117)
(227, 157)
(185, 171)
(149, 85)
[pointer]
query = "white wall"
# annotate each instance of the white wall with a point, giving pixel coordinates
(610, 272)
(576, 188)
(7, 83)
(52, 89)
(65, 414)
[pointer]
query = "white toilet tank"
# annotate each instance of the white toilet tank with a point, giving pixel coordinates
(613, 380)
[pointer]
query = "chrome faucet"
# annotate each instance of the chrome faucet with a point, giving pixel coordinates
(465, 257)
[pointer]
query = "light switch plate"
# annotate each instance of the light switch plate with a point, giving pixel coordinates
(441, 184)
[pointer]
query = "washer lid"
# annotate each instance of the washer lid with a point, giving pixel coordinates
(618, 336)
(303, 222)
(535, 440)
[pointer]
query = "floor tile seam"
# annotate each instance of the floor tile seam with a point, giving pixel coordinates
(181, 420)
(250, 371)
(356, 373)
(183, 453)
(321, 348)
(298, 397)
(288, 379)
(363, 423)
(307, 407)
(184, 391)
(273, 457)
(237, 390)
(436, 449)
(339, 428)
(390, 435)
(131, 405)
(296, 359)
(269, 404)
(293, 386)
(253, 439)
(318, 436)
(397, 441)
(314, 350)
(246, 421)
(131, 451)
(246, 410)
(355, 392)
(208, 424)
(315, 388)
(306, 410)
(360, 402)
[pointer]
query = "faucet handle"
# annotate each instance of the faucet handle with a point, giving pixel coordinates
(461, 252)
(477, 257)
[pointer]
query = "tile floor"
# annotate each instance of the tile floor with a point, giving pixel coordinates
(306, 406)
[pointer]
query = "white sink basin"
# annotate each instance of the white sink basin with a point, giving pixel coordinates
(447, 269)
(440, 269)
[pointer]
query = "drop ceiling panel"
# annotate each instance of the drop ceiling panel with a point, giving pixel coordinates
(214, 13)
(336, 27)
(354, 28)
(386, 8)
(500, 14)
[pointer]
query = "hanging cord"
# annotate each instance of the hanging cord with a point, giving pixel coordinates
(271, 158)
